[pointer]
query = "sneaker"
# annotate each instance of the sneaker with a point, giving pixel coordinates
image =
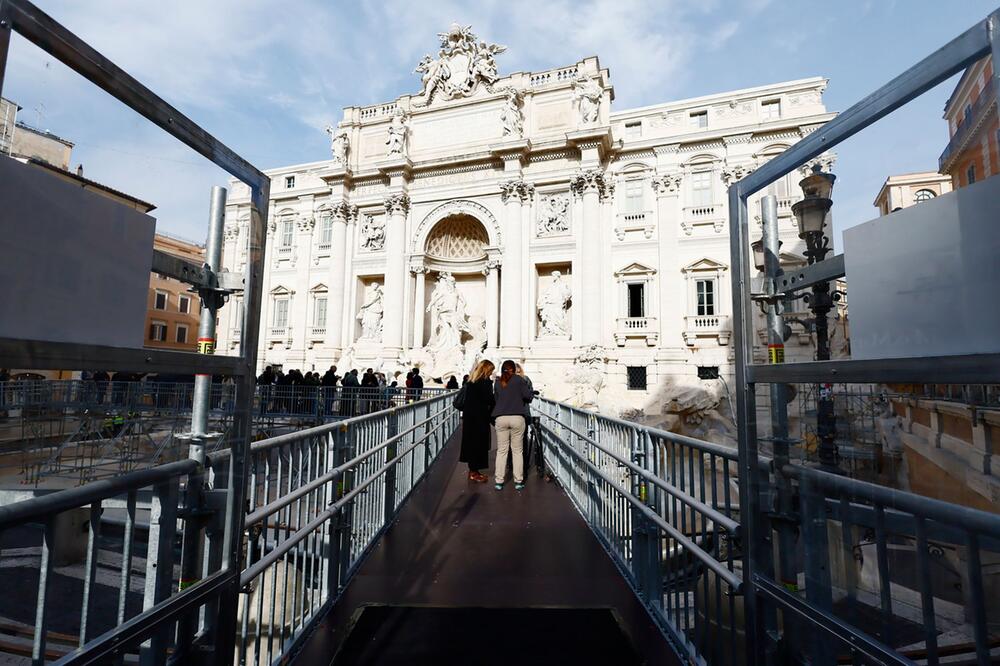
(498, 486)
(518, 486)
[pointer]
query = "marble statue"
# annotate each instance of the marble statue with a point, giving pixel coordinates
(339, 144)
(553, 305)
(370, 315)
(399, 128)
(588, 94)
(373, 233)
(463, 64)
(554, 215)
(510, 115)
(449, 319)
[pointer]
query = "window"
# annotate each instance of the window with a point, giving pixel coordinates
(706, 297)
(636, 377)
(701, 188)
(967, 113)
(160, 300)
(238, 314)
(771, 110)
(158, 331)
(183, 304)
(699, 119)
(287, 233)
(280, 313)
(325, 230)
(289, 182)
(633, 130)
(319, 312)
(970, 174)
(633, 196)
(923, 195)
(708, 372)
(637, 300)
(182, 334)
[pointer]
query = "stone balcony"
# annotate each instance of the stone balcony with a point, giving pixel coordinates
(706, 326)
(638, 224)
(637, 328)
(317, 332)
(713, 215)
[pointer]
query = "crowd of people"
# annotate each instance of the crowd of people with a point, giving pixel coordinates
(495, 403)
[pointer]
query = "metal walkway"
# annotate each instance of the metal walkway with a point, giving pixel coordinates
(462, 545)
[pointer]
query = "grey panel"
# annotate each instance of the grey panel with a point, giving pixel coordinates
(925, 281)
(75, 264)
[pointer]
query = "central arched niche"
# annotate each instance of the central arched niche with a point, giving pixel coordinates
(457, 238)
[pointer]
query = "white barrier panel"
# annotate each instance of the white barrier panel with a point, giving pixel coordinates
(925, 280)
(74, 265)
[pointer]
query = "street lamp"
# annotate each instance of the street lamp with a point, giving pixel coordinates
(758, 254)
(812, 214)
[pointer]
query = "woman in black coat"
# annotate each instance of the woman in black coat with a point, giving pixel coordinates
(477, 408)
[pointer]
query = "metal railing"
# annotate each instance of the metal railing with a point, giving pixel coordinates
(317, 499)
(665, 508)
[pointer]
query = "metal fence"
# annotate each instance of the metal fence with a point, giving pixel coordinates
(665, 508)
(317, 500)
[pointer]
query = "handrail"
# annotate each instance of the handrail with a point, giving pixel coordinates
(731, 525)
(44, 506)
(734, 581)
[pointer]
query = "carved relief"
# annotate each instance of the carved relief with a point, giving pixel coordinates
(463, 64)
(373, 233)
(553, 215)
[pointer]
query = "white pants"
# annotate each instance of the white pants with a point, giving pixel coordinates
(510, 435)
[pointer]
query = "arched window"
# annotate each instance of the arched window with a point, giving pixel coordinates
(923, 195)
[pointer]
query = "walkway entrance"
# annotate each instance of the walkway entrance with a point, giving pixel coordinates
(507, 565)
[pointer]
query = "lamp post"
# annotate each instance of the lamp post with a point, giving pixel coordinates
(812, 214)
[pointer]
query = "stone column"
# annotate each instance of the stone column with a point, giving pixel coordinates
(396, 208)
(590, 186)
(419, 303)
(347, 311)
(514, 194)
(671, 301)
(492, 271)
(342, 212)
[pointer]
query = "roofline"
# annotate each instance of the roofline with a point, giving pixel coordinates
(47, 134)
(691, 101)
(92, 183)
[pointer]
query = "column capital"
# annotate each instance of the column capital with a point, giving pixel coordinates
(232, 231)
(591, 180)
(667, 183)
(344, 212)
(397, 204)
(491, 265)
(732, 173)
(516, 189)
(305, 223)
(419, 269)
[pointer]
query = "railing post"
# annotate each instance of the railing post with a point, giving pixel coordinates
(345, 451)
(392, 429)
(817, 564)
(159, 567)
(640, 524)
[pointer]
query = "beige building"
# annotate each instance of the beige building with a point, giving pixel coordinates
(907, 189)
(8, 116)
(172, 311)
(29, 143)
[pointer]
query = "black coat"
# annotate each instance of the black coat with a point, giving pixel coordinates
(479, 403)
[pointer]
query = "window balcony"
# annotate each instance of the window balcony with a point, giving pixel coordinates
(706, 326)
(278, 332)
(712, 215)
(636, 328)
(317, 332)
(634, 223)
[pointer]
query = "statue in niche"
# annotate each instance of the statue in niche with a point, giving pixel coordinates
(449, 319)
(588, 94)
(510, 114)
(370, 315)
(554, 217)
(553, 305)
(399, 128)
(339, 144)
(373, 233)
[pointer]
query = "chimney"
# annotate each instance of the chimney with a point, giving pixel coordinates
(79, 170)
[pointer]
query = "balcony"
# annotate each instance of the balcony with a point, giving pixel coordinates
(963, 133)
(637, 328)
(634, 223)
(317, 332)
(700, 216)
(277, 332)
(706, 326)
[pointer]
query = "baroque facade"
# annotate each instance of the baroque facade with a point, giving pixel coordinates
(519, 217)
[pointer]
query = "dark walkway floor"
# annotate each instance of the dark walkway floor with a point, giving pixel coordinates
(461, 545)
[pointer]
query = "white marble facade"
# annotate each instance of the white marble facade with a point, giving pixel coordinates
(523, 217)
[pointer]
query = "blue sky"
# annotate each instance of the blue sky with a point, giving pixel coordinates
(266, 77)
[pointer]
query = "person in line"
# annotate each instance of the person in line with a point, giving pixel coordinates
(418, 384)
(329, 383)
(477, 410)
(512, 393)
(465, 380)
(452, 383)
(519, 371)
(350, 387)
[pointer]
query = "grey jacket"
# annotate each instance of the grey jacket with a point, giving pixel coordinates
(513, 400)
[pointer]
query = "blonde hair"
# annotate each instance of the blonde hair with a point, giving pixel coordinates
(482, 371)
(518, 370)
